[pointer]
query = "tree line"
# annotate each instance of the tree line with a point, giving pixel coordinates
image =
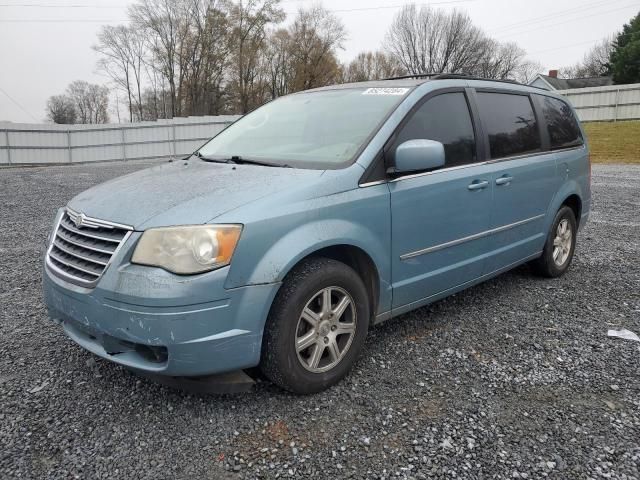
(213, 57)
(617, 56)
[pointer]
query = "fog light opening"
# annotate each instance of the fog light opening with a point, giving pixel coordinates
(152, 353)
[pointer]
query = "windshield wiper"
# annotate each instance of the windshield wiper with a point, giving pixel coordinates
(241, 160)
(210, 159)
(237, 159)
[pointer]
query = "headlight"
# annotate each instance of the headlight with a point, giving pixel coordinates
(187, 249)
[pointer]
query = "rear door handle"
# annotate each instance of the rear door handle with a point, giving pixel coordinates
(478, 185)
(504, 180)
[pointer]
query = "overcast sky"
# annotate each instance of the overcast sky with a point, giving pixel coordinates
(46, 46)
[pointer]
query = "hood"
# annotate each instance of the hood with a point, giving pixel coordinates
(184, 192)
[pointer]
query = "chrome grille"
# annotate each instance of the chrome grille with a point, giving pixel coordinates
(82, 247)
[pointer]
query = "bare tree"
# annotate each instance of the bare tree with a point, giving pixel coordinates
(207, 56)
(315, 34)
(304, 55)
(157, 99)
(90, 101)
(250, 20)
(198, 57)
(277, 63)
(527, 71)
(60, 109)
(372, 66)
(123, 50)
(500, 61)
(166, 22)
(427, 40)
(595, 62)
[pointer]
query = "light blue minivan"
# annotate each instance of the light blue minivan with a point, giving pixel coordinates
(282, 240)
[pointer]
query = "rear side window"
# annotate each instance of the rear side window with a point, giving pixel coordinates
(444, 118)
(562, 125)
(510, 123)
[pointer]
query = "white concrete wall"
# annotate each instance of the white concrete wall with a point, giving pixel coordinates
(611, 103)
(22, 143)
(41, 144)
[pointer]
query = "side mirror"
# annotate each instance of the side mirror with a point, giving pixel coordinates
(418, 154)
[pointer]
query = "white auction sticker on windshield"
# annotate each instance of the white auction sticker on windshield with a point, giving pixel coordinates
(385, 91)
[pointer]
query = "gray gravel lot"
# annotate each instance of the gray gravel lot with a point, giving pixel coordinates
(515, 378)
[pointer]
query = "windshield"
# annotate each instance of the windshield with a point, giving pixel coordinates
(323, 129)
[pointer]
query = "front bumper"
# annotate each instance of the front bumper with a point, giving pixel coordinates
(151, 320)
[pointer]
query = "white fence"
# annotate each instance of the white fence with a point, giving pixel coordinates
(612, 103)
(41, 144)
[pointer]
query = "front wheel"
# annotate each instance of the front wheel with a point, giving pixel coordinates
(316, 327)
(560, 245)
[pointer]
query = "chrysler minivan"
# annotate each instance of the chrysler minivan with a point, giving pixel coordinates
(282, 240)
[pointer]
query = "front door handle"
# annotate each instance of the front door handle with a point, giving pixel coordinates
(478, 185)
(504, 180)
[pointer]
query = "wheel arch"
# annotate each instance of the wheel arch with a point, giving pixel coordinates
(574, 202)
(356, 258)
(360, 246)
(571, 195)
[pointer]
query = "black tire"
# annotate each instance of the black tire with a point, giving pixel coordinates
(280, 361)
(545, 265)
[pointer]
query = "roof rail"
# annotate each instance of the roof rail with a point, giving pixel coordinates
(452, 76)
(413, 75)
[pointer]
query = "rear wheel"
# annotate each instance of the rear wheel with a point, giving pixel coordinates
(316, 327)
(560, 245)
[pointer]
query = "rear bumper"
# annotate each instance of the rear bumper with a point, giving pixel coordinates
(174, 328)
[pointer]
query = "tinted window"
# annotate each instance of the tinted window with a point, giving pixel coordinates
(510, 123)
(561, 123)
(444, 118)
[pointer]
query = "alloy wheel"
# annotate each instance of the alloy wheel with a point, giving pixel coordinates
(562, 242)
(325, 329)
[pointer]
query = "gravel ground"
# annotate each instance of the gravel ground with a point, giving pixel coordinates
(515, 378)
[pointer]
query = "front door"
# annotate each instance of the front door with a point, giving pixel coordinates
(439, 218)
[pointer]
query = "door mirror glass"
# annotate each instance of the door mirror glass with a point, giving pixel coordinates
(418, 154)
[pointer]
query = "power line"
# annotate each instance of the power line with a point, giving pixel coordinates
(46, 5)
(359, 9)
(567, 21)
(18, 105)
(42, 5)
(564, 46)
(383, 7)
(62, 20)
(521, 24)
(554, 15)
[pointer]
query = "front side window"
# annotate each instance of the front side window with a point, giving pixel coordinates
(510, 123)
(444, 118)
(562, 125)
(318, 130)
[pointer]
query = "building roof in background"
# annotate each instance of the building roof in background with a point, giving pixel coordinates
(568, 83)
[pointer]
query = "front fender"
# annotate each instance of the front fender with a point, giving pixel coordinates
(270, 247)
(311, 237)
(294, 246)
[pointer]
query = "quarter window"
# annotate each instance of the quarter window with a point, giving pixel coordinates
(562, 125)
(444, 118)
(510, 123)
